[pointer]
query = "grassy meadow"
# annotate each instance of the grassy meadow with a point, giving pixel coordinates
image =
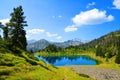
(26, 67)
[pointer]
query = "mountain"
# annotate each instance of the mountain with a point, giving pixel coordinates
(41, 44)
(31, 41)
(38, 45)
(108, 39)
(105, 46)
(68, 43)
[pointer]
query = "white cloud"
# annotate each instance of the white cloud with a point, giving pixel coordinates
(28, 37)
(4, 21)
(51, 35)
(90, 4)
(71, 28)
(35, 31)
(116, 3)
(53, 16)
(59, 16)
(92, 17)
(58, 37)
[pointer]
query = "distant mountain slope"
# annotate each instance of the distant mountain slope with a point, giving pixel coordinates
(38, 45)
(31, 41)
(68, 43)
(110, 38)
(105, 46)
(41, 44)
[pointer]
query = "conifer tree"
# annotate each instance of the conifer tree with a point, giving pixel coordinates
(17, 24)
(117, 60)
(5, 32)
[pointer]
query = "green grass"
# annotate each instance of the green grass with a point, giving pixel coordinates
(40, 73)
(103, 63)
(25, 67)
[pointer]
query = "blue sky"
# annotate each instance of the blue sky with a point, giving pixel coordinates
(61, 20)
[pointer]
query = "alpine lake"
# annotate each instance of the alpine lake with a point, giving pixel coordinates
(68, 60)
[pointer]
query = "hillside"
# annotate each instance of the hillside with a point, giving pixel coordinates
(41, 44)
(25, 67)
(106, 39)
(105, 46)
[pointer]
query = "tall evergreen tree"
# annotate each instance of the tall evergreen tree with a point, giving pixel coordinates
(99, 51)
(5, 32)
(1, 25)
(0, 30)
(117, 60)
(17, 24)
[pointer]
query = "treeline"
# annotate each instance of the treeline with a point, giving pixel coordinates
(109, 46)
(13, 32)
(51, 48)
(106, 46)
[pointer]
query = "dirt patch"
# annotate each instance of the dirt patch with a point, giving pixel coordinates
(97, 73)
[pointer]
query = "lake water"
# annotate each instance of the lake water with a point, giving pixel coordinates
(68, 60)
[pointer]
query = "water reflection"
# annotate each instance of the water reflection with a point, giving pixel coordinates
(68, 60)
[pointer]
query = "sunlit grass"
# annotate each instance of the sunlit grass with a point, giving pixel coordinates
(22, 68)
(110, 63)
(13, 67)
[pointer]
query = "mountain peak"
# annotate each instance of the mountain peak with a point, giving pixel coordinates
(41, 44)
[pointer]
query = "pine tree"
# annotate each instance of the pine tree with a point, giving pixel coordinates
(117, 60)
(5, 32)
(99, 51)
(0, 26)
(17, 24)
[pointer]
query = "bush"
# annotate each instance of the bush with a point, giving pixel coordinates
(84, 75)
(5, 72)
(117, 60)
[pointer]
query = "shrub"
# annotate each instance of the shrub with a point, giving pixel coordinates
(84, 75)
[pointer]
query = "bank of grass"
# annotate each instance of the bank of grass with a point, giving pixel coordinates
(102, 62)
(24, 67)
(54, 54)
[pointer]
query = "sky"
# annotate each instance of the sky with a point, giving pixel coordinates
(62, 20)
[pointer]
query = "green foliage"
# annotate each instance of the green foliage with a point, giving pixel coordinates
(117, 60)
(106, 46)
(0, 30)
(52, 48)
(14, 33)
(3, 46)
(17, 23)
(5, 32)
(99, 52)
(84, 75)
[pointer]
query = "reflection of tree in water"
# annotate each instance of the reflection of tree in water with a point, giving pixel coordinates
(71, 58)
(52, 59)
(88, 58)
